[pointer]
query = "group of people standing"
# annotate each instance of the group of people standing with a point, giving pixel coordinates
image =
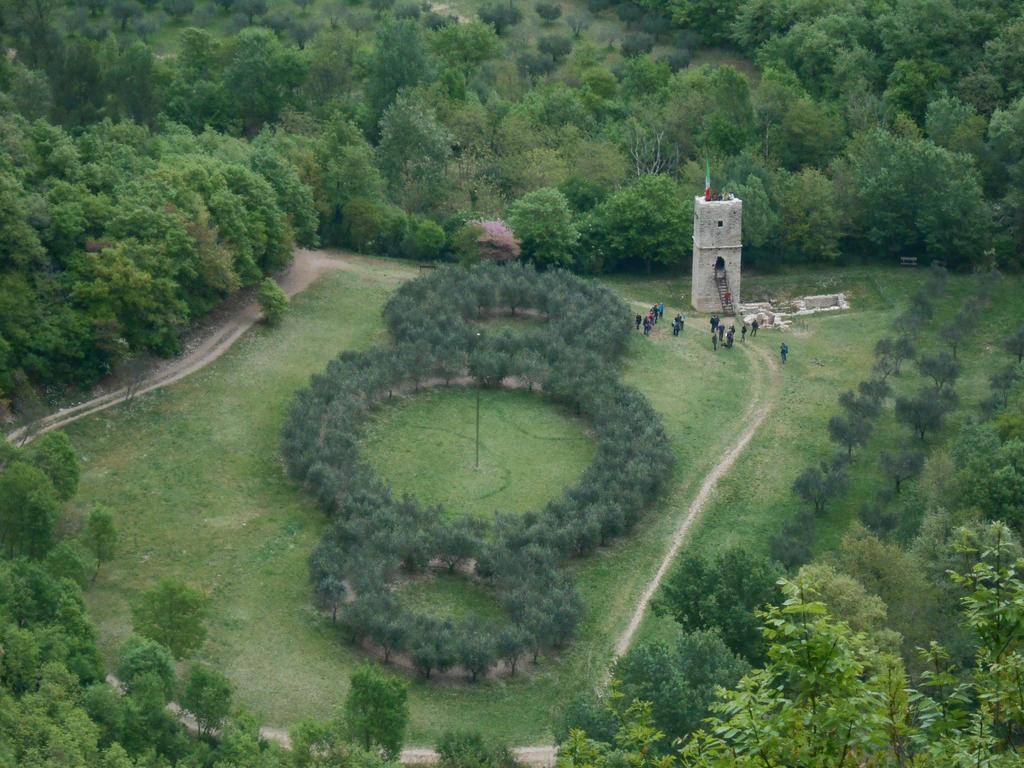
(720, 335)
(648, 321)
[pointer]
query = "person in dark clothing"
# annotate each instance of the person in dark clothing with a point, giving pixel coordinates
(714, 341)
(647, 325)
(743, 333)
(682, 321)
(654, 314)
(784, 352)
(721, 331)
(714, 323)
(753, 328)
(639, 320)
(729, 337)
(675, 326)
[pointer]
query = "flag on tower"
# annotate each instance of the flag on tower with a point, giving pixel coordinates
(707, 179)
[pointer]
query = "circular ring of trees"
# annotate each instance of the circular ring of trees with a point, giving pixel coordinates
(374, 536)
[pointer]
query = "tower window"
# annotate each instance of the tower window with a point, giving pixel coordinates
(720, 223)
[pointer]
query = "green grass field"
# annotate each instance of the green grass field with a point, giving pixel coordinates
(194, 476)
(530, 451)
(451, 596)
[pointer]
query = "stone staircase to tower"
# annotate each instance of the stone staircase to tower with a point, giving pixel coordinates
(722, 282)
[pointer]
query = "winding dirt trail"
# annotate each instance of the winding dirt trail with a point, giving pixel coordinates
(760, 405)
(307, 266)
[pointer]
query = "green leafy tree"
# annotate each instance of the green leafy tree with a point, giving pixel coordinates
(849, 431)
(1014, 344)
(179, 8)
(173, 615)
(250, 8)
(465, 46)
(721, 593)
(826, 691)
(635, 742)
(713, 19)
(399, 60)
(901, 465)
(549, 12)
(29, 510)
(376, 710)
(501, 16)
(891, 353)
(818, 485)
(140, 657)
(543, 223)
(414, 151)
(273, 301)
(261, 77)
(53, 454)
(944, 212)
(650, 219)
(476, 649)
(68, 561)
(810, 217)
(207, 697)
(942, 368)
(922, 412)
(680, 681)
(100, 536)
(125, 11)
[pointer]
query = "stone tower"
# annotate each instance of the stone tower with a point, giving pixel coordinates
(717, 245)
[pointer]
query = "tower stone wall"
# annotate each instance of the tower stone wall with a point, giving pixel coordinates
(717, 233)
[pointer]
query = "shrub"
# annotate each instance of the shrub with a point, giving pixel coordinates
(273, 301)
(655, 25)
(629, 13)
(636, 44)
(424, 239)
(408, 11)
(548, 11)
(535, 64)
(141, 657)
(501, 16)
(179, 8)
(555, 46)
(433, 20)
(678, 59)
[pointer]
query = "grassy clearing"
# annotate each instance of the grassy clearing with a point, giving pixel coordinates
(530, 451)
(451, 596)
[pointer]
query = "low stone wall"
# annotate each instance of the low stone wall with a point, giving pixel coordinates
(770, 316)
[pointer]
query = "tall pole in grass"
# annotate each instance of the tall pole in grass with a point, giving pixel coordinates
(478, 416)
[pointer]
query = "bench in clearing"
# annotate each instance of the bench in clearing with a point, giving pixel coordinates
(908, 261)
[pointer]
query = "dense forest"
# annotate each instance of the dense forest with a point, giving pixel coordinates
(157, 157)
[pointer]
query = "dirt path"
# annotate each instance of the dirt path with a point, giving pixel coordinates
(306, 267)
(759, 407)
